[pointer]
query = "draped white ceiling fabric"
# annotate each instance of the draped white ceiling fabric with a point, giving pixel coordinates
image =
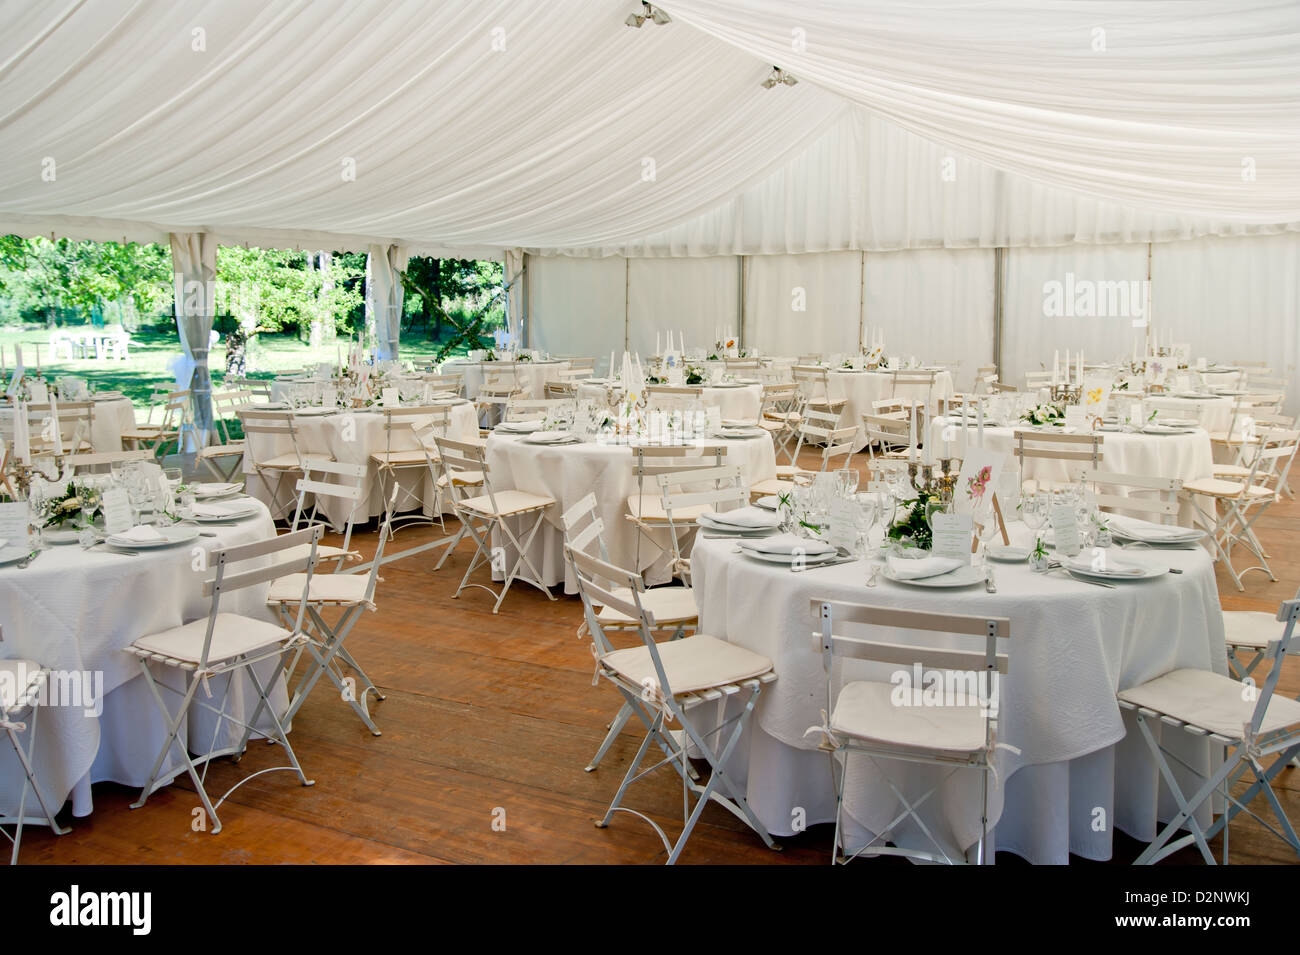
(1189, 106)
(467, 127)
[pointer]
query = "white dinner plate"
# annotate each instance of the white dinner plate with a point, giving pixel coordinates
(1083, 567)
(737, 433)
(60, 535)
(788, 559)
(958, 577)
(1193, 536)
(518, 427)
(726, 384)
(319, 412)
(176, 534)
(734, 529)
(544, 438)
(1008, 554)
(236, 514)
(1165, 429)
(12, 554)
(1229, 392)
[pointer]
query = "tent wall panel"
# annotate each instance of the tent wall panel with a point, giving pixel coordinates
(691, 296)
(798, 304)
(577, 306)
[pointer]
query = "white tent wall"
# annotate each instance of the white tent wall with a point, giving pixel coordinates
(687, 296)
(799, 304)
(1030, 335)
(936, 304)
(577, 306)
(1233, 299)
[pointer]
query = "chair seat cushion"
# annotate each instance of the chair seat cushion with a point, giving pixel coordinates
(697, 663)
(325, 588)
(281, 462)
(222, 450)
(1211, 701)
(233, 635)
(867, 710)
(401, 458)
(650, 507)
(140, 434)
(771, 486)
(1231, 471)
(666, 605)
(462, 479)
(1213, 487)
(507, 502)
(15, 677)
(1250, 628)
(323, 552)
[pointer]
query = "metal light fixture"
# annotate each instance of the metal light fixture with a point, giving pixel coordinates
(778, 77)
(648, 12)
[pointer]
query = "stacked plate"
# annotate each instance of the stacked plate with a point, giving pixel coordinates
(749, 431)
(143, 536)
(1154, 428)
(519, 427)
(222, 513)
(550, 437)
(937, 572)
(742, 522)
(1166, 535)
(214, 491)
(789, 550)
(1109, 567)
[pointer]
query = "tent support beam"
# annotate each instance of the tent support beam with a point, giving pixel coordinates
(741, 263)
(999, 303)
(862, 300)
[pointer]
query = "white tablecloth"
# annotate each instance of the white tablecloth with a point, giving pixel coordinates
(1214, 413)
(1073, 646)
(75, 611)
(532, 375)
(352, 437)
(861, 389)
(109, 418)
(1184, 456)
(569, 473)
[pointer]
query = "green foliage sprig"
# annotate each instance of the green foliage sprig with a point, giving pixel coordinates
(913, 524)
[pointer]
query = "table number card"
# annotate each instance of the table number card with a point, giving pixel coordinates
(981, 474)
(952, 535)
(117, 510)
(389, 398)
(842, 516)
(1066, 528)
(13, 524)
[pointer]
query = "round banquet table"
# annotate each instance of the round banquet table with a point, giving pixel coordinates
(76, 611)
(351, 437)
(1072, 647)
(861, 389)
(532, 375)
(740, 401)
(1214, 412)
(568, 473)
(1184, 456)
(110, 416)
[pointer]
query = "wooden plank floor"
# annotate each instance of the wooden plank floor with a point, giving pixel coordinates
(488, 714)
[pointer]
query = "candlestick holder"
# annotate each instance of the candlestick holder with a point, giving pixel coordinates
(1067, 393)
(23, 474)
(924, 479)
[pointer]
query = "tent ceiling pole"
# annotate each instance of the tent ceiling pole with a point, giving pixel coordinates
(1148, 328)
(627, 307)
(525, 305)
(999, 305)
(740, 300)
(862, 300)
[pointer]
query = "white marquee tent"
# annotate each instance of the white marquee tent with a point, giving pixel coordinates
(649, 180)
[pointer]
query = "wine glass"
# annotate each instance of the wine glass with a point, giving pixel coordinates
(848, 482)
(1033, 511)
(986, 528)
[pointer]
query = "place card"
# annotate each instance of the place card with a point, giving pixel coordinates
(951, 536)
(1066, 528)
(13, 523)
(388, 397)
(116, 504)
(843, 517)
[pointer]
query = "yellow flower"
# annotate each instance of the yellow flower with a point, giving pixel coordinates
(1094, 396)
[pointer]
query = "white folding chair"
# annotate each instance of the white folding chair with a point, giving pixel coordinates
(226, 644)
(686, 495)
(453, 385)
(20, 688)
(673, 682)
(401, 430)
(814, 383)
(225, 455)
(321, 479)
(823, 428)
(175, 422)
(99, 461)
(645, 507)
(349, 593)
(1250, 722)
(915, 379)
(272, 469)
(780, 412)
(864, 718)
(1042, 445)
(1235, 506)
(1155, 496)
(491, 513)
(673, 608)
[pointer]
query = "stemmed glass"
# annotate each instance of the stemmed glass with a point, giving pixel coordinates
(1033, 511)
(848, 479)
(986, 528)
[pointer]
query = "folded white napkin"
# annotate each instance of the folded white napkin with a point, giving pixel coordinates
(140, 534)
(904, 569)
(550, 437)
(746, 517)
(789, 544)
(217, 490)
(1147, 531)
(213, 510)
(1111, 565)
(736, 423)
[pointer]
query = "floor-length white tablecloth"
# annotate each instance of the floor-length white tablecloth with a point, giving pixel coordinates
(1214, 413)
(75, 611)
(352, 437)
(1073, 646)
(532, 376)
(569, 473)
(861, 389)
(109, 417)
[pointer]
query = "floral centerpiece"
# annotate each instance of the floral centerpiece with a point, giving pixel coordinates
(1043, 414)
(876, 357)
(913, 523)
(695, 375)
(69, 504)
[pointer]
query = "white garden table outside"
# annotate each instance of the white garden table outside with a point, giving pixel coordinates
(1073, 645)
(76, 611)
(569, 473)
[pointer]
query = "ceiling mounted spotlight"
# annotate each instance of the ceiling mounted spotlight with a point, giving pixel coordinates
(778, 77)
(648, 12)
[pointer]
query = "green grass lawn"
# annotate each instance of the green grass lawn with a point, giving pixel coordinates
(153, 351)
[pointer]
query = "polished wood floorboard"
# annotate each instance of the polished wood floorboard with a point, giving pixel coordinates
(489, 717)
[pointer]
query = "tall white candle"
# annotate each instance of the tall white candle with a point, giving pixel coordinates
(22, 439)
(911, 438)
(1056, 367)
(981, 424)
(657, 350)
(54, 422)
